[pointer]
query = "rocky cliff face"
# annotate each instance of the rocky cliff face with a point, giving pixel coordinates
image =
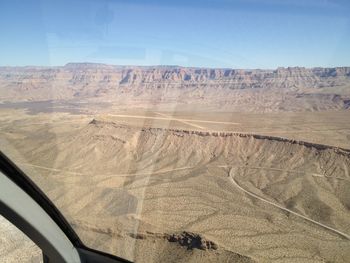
(162, 83)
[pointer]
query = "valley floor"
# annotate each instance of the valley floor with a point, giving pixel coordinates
(137, 183)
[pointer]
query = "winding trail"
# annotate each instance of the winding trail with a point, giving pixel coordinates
(107, 176)
(231, 177)
(50, 169)
(285, 170)
(182, 121)
(169, 118)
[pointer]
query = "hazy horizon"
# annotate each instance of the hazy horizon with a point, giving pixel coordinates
(166, 65)
(181, 131)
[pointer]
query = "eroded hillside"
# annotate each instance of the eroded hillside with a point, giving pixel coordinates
(140, 192)
(283, 89)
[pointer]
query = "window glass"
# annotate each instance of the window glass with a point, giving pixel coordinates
(15, 246)
(185, 131)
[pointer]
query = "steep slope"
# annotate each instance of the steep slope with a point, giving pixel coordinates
(136, 188)
(258, 90)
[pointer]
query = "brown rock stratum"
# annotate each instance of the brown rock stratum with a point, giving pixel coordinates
(173, 164)
(283, 89)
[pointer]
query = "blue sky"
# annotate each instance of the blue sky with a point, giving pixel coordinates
(205, 33)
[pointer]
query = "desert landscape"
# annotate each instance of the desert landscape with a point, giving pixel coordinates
(175, 164)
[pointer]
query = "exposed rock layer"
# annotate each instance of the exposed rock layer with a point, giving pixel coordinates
(283, 89)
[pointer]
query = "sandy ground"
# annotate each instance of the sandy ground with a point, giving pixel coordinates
(16, 246)
(131, 181)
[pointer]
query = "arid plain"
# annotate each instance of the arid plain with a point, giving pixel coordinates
(188, 165)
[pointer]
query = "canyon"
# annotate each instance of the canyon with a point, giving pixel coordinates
(174, 164)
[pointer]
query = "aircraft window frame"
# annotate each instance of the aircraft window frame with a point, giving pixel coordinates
(19, 184)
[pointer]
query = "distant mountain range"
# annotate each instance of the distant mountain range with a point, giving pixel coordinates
(287, 89)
